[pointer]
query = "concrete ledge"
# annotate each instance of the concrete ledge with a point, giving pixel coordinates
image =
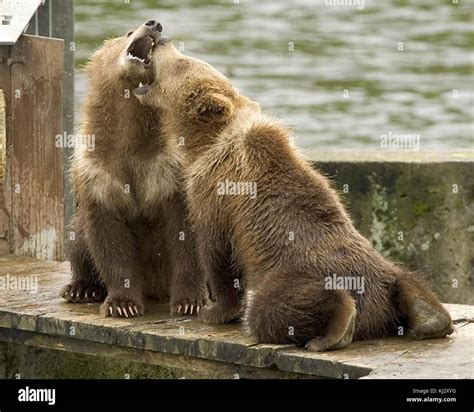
(416, 207)
(42, 336)
(389, 156)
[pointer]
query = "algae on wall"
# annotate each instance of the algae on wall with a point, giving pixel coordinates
(419, 214)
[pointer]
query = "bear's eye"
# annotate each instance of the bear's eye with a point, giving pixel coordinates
(129, 33)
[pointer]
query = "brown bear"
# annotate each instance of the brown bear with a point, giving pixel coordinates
(130, 238)
(271, 229)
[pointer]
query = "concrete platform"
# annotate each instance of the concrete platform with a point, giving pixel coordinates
(41, 336)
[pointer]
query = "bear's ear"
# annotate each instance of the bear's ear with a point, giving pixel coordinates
(213, 107)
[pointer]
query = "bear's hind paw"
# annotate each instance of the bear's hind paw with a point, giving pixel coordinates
(430, 322)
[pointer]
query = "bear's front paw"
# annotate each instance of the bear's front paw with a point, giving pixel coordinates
(219, 314)
(122, 307)
(188, 306)
(188, 299)
(81, 292)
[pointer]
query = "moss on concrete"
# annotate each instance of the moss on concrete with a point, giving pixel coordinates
(46, 357)
(418, 213)
(33, 354)
(40, 363)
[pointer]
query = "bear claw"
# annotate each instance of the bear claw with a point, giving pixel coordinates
(189, 307)
(121, 308)
(78, 292)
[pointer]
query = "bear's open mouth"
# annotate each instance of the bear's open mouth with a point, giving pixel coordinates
(142, 49)
(146, 84)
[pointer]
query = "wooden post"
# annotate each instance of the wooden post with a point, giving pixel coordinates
(35, 166)
(62, 21)
(55, 19)
(4, 219)
(34, 73)
(5, 182)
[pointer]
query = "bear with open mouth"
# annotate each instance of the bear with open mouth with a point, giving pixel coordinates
(268, 256)
(130, 236)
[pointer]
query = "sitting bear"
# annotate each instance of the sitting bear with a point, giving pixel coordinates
(271, 230)
(130, 238)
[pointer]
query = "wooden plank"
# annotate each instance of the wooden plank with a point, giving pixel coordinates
(62, 22)
(5, 183)
(55, 18)
(14, 18)
(3, 137)
(158, 332)
(37, 164)
(3, 167)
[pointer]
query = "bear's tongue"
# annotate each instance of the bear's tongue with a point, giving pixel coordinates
(140, 49)
(142, 89)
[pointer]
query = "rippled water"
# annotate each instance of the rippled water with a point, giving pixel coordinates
(335, 73)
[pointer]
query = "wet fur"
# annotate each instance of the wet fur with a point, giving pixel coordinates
(130, 206)
(266, 258)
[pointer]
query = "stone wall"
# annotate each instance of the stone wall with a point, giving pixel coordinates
(417, 208)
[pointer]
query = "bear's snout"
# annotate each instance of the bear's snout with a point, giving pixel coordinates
(141, 45)
(154, 26)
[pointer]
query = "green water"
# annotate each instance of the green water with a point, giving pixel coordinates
(334, 73)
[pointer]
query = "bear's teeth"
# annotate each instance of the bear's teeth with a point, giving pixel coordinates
(131, 56)
(140, 85)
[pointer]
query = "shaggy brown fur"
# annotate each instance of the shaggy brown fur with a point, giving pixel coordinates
(131, 239)
(278, 247)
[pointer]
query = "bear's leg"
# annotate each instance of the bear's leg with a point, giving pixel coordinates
(188, 289)
(85, 285)
(297, 308)
(113, 248)
(225, 280)
(340, 327)
(154, 259)
(425, 316)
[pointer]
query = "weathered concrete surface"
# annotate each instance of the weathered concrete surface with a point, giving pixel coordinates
(67, 340)
(416, 207)
(28, 354)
